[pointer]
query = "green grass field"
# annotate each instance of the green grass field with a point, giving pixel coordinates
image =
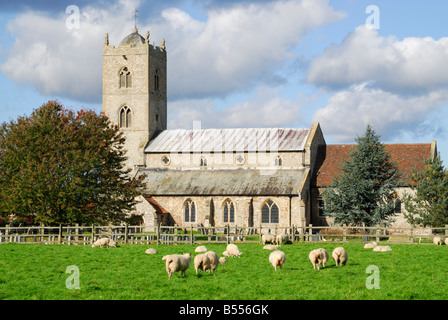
(38, 272)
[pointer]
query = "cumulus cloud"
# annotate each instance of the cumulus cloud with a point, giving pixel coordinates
(392, 84)
(265, 109)
(236, 48)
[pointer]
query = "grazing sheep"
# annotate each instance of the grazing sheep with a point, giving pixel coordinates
(437, 240)
(104, 242)
(281, 239)
(277, 258)
(382, 248)
(318, 257)
(270, 247)
(222, 260)
(370, 245)
(232, 251)
(268, 238)
(151, 251)
(446, 241)
(201, 249)
(340, 256)
(214, 260)
(176, 263)
(201, 262)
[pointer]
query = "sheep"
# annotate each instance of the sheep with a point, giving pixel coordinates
(281, 239)
(201, 249)
(382, 248)
(202, 262)
(318, 257)
(277, 258)
(370, 245)
(437, 240)
(222, 260)
(270, 247)
(340, 256)
(151, 251)
(446, 241)
(176, 263)
(104, 242)
(232, 251)
(214, 260)
(268, 238)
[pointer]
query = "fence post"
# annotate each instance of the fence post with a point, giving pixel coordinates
(126, 233)
(191, 234)
(310, 232)
(446, 230)
(93, 235)
(344, 233)
(158, 234)
(60, 234)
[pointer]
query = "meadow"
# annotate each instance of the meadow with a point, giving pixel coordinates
(38, 272)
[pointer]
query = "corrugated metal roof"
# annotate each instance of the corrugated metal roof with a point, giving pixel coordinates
(229, 140)
(222, 182)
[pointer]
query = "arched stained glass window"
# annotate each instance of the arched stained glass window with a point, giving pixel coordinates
(190, 211)
(229, 212)
(269, 212)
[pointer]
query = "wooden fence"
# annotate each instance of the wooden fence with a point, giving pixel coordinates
(133, 235)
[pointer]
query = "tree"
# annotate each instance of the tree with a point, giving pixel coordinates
(363, 194)
(62, 167)
(428, 204)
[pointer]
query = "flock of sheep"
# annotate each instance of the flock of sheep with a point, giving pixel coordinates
(209, 261)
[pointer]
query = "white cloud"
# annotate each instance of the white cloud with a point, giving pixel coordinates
(265, 109)
(349, 111)
(407, 66)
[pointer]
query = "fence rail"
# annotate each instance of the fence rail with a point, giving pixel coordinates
(133, 235)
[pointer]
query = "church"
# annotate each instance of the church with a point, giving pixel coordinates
(247, 177)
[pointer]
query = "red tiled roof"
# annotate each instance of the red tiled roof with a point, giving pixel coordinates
(156, 205)
(407, 156)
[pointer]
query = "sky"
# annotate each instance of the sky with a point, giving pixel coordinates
(243, 63)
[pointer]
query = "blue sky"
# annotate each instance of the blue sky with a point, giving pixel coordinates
(247, 63)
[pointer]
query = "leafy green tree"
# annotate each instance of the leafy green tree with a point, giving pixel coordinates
(62, 167)
(427, 205)
(363, 194)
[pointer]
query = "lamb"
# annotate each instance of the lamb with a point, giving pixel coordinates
(277, 258)
(222, 260)
(201, 249)
(370, 245)
(214, 260)
(340, 256)
(437, 240)
(201, 262)
(281, 239)
(270, 247)
(382, 248)
(104, 242)
(232, 251)
(151, 251)
(446, 241)
(176, 263)
(268, 238)
(318, 257)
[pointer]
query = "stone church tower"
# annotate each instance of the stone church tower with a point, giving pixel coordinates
(135, 91)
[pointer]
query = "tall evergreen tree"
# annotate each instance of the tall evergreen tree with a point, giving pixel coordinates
(363, 195)
(62, 167)
(428, 204)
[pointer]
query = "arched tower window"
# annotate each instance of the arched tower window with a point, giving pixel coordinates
(125, 117)
(125, 78)
(190, 211)
(278, 161)
(156, 81)
(229, 212)
(269, 212)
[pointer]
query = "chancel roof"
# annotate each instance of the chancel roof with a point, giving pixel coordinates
(228, 140)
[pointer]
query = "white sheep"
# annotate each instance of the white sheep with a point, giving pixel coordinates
(370, 245)
(437, 240)
(446, 241)
(201, 262)
(222, 260)
(232, 251)
(270, 247)
(268, 238)
(151, 251)
(176, 263)
(201, 249)
(214, 260)
(340, 256)
(318, 257)
(382, 248)
(281, 239)
(277, 258)
(104, 242)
